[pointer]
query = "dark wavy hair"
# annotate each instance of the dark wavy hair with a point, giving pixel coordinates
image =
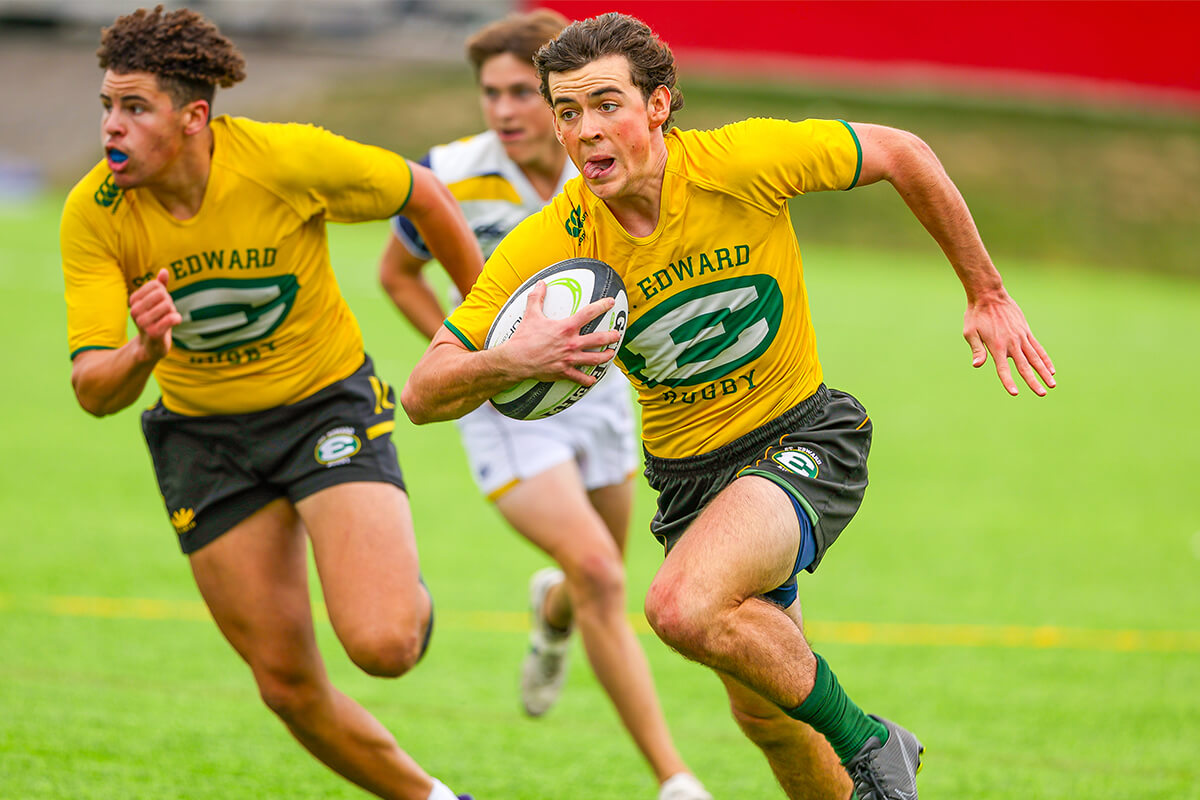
(185, 51)
(519, 35)
(651, 63)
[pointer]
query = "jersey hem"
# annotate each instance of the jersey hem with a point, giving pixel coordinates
(412, 180)
(858, 147)
(90, 347)
(461, 336)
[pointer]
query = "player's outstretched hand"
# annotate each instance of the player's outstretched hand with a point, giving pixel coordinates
(154, 313)
(997, 326)
(552, 349)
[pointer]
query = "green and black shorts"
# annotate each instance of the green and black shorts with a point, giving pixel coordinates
(816, 453)
(215, 471)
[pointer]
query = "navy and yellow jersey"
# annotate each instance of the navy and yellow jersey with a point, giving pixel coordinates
(720, 339)
(493, 193)
(264, 323)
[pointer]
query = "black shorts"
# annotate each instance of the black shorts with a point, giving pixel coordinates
(215, 471)
(816, 453)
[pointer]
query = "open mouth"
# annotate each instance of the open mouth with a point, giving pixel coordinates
(116, 158)
(597, 168)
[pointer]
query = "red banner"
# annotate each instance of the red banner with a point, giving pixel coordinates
(1127, 44)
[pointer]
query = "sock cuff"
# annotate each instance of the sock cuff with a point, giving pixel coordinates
(441, 791)
(822, 681)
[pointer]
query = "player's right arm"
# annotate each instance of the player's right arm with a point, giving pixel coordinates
(107, 381)
(451, 380)
(108, 370)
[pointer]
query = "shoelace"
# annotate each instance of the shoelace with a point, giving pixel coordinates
(866, 781)
(550, 663)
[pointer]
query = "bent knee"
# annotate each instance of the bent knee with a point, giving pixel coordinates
(387, 652)
(678, 617)
(290, 694)
(596, 577)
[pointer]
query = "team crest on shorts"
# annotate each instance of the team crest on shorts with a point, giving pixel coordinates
(801, 461)
(337, 446)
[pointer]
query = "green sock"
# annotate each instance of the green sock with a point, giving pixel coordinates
(833, 714)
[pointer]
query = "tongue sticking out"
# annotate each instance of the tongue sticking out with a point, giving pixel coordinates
(594, 169)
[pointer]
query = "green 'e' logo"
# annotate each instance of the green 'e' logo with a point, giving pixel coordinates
(703, 333)
(221, 313)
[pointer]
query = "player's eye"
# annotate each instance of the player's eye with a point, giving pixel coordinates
(608, 105)
(568, 114)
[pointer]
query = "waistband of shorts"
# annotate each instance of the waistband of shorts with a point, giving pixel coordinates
(736, 452)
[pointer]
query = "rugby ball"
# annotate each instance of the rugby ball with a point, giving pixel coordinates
(570, 285)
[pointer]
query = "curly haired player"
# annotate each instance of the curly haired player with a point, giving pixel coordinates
(273, 429)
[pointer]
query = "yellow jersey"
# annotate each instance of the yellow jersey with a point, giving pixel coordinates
(264, 323)
(720, 338)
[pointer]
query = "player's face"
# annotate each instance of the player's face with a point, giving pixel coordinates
(513, 107)
(140, 129)
(608, 128)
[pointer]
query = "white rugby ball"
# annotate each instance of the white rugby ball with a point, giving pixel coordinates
(570, 285)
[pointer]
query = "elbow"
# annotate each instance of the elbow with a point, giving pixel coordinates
(95, 406)
(86, 400)
(98, 413)
(410, 401)
(911, 154)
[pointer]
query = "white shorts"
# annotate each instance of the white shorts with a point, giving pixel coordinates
(597, 433)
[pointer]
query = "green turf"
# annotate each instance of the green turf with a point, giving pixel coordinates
(1068, 520)
(1072, 512)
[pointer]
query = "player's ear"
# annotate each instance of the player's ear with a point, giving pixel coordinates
(658, 107)
(195, 116)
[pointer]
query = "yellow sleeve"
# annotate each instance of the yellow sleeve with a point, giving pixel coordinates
(770, 161)
(96, 295)
(529, 248)
(346, 180)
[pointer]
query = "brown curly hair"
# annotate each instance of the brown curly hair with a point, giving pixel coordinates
(651, 63)
(519, 35)
(185, 51)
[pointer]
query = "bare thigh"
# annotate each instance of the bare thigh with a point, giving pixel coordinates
(366, 556)
(553, 510)
(743, 544)
(254, 579)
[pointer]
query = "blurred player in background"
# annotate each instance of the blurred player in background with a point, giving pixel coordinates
(757, 463)
(563, 483)
(273, 428)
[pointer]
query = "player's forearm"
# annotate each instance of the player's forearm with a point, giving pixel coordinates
(450, 381)
(933, 198)
(416, 300)
(107, 381)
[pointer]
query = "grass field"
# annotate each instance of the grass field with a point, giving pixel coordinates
(1021, 588)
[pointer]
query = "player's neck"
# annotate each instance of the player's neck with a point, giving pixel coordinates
(180, 187)
(544, 172)
(638, 206)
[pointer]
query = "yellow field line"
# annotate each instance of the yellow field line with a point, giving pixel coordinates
(1045, 637)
